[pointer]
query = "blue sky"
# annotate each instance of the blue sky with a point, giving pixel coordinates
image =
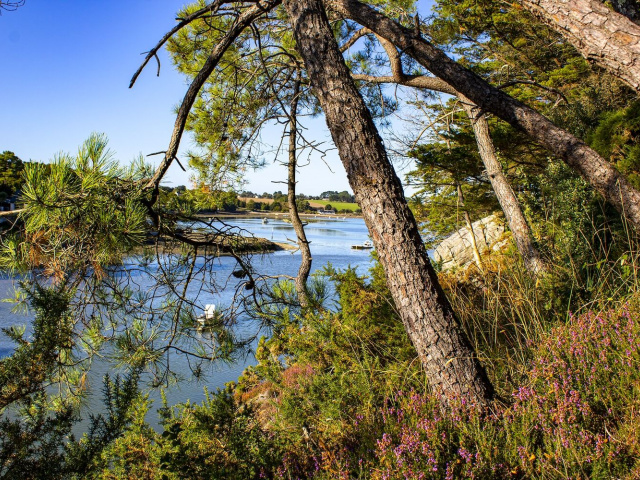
(66, 67)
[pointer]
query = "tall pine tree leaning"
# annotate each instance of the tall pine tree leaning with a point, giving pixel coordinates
(446, 354)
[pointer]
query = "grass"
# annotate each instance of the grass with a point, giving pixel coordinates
(336, 205)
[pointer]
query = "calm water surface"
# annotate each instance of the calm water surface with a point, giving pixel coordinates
(331, 241)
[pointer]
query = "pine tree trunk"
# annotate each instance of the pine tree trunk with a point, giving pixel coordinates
(298, 227)
(504, 193)
(446, 355)
(609, 39)
(600, 174)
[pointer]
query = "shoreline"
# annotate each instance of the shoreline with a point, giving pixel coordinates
(277, 215)
(245, 245)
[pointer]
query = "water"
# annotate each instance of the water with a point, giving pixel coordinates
(330, 242)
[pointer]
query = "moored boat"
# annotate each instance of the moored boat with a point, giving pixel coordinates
(363, 246)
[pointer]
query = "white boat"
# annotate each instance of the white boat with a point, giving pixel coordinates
(364, 246)
(265, 220)
(209, 314)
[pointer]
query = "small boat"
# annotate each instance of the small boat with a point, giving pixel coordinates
(364, 246)
(265, 220)
(209, 314)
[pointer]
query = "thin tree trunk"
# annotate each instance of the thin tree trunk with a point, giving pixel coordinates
(446, 354)
(506, 197)
(609, 39)
(504, 193)
(298, 227)
(602, 176)
(467, 220)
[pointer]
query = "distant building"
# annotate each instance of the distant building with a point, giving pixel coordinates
(9, 204)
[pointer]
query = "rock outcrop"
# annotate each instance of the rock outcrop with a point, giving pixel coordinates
(456, 251)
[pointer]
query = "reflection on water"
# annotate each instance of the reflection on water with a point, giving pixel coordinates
(330, 242)
(326, 231)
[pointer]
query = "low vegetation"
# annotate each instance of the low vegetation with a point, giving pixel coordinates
(340, 395)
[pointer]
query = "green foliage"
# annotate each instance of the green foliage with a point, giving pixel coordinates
(339, 395)
(44, 356)
(617, 139)
(206, 200)
(586, 238)
(36, 423)
(324, 369)
(303, 206)
(83, 212)
(243, 94)
(31, 447)
(219, 439)
(450, 179)
(11, 168)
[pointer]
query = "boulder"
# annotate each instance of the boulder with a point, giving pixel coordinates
(456, 250)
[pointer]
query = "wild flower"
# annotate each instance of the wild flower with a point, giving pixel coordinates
(566, 421)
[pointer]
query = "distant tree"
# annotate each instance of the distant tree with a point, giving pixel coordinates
(303, 205)
(279, 197)
(11, 168)
(225, 200)
(251, 205)
(328, 194)
(328, 207)
(343, 196)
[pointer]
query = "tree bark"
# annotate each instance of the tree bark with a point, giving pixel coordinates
(601, 35)
(506, 196)
(449, 361)
(298, 227)
(602, 176)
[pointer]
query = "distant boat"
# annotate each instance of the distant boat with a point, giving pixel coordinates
(365, 246)
(209, 314)
(265, 220)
